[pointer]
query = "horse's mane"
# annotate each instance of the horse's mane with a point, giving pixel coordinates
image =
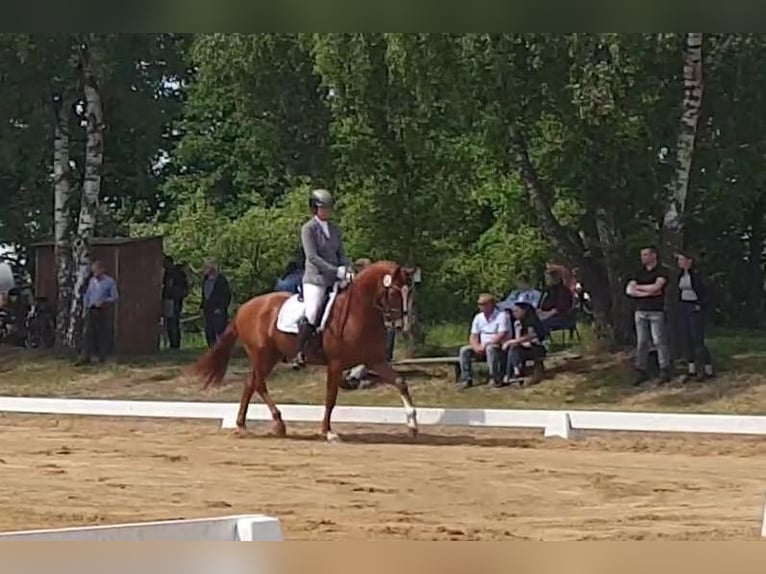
(373, 271)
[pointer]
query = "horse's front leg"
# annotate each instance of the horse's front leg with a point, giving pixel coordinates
(391, 377)
(334, 377)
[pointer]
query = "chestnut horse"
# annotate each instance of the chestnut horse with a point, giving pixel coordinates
(354, 334)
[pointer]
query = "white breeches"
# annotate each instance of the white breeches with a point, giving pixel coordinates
(313, 296)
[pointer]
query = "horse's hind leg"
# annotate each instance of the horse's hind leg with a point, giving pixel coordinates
(393, 378)
(259, 378)
(262, 365)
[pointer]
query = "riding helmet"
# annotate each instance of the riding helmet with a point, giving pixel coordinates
(320, 198)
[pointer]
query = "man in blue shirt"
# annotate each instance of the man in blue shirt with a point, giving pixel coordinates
(99, 296)
(524, 293)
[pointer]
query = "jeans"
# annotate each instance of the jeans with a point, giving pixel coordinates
(493, 355)
(692, 330)
(518, 356)
(651, 328)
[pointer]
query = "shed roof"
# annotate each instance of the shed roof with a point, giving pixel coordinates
(106, 241)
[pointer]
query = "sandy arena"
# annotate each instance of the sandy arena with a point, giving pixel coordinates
(456, 484)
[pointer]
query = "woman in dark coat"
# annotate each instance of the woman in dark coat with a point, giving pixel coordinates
(693, 304)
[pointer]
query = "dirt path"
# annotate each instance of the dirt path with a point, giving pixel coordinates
(465, 484)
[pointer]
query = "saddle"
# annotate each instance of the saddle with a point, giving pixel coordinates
(291, 313)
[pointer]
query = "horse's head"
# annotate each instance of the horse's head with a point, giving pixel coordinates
(394, 292)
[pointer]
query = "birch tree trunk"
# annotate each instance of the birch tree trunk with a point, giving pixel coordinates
(672, 233)
(594, 274)
(62, 220)
(673, 223)
(94, 157)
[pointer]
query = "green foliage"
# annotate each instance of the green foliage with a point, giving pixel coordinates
(251, 250)
(411, 132)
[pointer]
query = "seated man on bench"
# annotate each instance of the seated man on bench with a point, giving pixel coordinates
(489, 329)
(525, 344)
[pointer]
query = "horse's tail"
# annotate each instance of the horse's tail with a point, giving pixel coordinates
(212, 365)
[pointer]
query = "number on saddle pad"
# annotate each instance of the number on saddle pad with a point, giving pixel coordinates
(293, 309)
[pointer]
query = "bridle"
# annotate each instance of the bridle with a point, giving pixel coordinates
(395, 315)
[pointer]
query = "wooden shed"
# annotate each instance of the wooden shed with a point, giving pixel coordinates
(136, 266)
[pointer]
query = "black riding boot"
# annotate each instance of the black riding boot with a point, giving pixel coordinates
(305, 332)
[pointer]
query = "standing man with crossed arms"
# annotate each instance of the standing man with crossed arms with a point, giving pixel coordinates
(326, 263)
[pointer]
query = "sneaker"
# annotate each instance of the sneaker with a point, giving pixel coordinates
(299, 362)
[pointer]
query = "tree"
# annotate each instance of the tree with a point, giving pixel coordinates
(673, 222)
(91, 188)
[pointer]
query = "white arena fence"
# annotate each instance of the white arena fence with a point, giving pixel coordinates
(241, 528)
(567, 424)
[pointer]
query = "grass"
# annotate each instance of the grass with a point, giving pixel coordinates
(588, 382)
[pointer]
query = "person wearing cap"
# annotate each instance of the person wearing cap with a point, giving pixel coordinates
(326, 263)
(489, 329)
(524, 292)
(693, 303)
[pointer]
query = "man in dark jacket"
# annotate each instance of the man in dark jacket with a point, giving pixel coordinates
(216, 298)
(175, 288)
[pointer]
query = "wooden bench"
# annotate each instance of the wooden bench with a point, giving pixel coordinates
(452, 360)
(423, 361)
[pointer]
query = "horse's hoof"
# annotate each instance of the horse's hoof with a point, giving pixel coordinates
(279, 430)
(241, 432)
(332, 437)
(413, 432)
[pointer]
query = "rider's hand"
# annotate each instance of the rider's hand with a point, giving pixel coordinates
(342, 272)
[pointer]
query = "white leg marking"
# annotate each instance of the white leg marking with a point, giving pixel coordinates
(412, 415)
(332, 437)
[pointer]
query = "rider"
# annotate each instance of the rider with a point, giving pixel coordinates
(326, 263)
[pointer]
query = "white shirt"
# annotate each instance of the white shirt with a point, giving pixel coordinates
(687, 291)
(488, 328)
(325, 227)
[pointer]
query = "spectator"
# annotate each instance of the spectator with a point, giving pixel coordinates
(489, 328)
(693, 304)
(216, 297)
(647, 288)
(568, 276)
(556, 302)
(99, 295)
(525, 344)
(292, 278)
(175, 288)
(524, 292)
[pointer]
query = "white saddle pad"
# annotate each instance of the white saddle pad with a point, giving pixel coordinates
(293, 309)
